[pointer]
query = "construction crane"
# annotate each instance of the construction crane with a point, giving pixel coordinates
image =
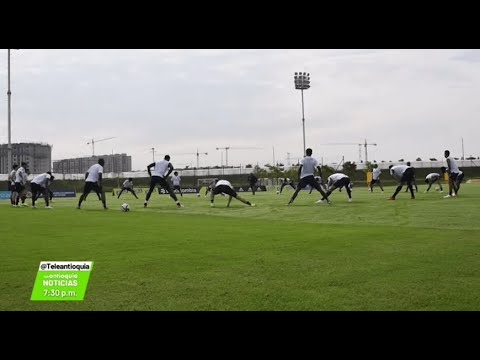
(365, 145)
(93, 141)
(198, 156)
(233, 148)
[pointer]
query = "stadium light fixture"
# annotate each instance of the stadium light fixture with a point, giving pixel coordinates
(302, 82)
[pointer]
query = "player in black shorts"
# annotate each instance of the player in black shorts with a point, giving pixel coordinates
(224, 187)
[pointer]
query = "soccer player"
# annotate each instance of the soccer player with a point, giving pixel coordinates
(433, 178)
(41, 185)
(306, 173)
(11, 184)
(20, 183)
(224, 187)
(459, 179)
(252, 180)
(127, 186)
(285, 182)
(376, 178)
(93, 181)
(453, 171)
(404, 175)
(161, 170)
(337, 181)
(176, 182)
(414, 181)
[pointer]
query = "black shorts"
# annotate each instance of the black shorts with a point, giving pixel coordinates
(11, 187)
(407, 176)
(154, 180)
(460, 178)
(375, 181)
(89, 186)
(342, 182)
(19, 187)
(177, 187)
(308, 180)
(453, 176)
(224, 189)
(35, 188)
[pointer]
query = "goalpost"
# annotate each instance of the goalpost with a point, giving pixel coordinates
(201, 183)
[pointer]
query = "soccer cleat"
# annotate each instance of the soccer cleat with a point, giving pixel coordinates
(212, 205)
(180, 205)
(319, 201)
(447, 196)
(349, 200)
(391, 198)
(145, 204)
(253, 205)
(78, 207)
(48, 207)
(329, 202)
(24, 205)
(288, 204)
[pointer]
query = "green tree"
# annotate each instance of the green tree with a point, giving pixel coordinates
(349, 169)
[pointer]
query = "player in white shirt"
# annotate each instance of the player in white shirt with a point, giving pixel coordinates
(176, 182)
(337, 181)
(127, 186)
(40, 185)
(161, 170)
(404, 175)
(285, 182)
(433, 178)
(11, 184)
(306, 173)
(224, 187)
(376, 172)
(458, 179)
(21, 177)
(453, 171)
(93, 181)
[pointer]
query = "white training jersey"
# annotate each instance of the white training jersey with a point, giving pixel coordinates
(453, 165)
(161, 168)
(21, 175)
(93, 173)
(332, 179)
(12, 177)
(42, 179)
(376, 173)
(432, 177)
(127, 184)
(223, 182)
(308, 166)
(397, 171)
(176, 180)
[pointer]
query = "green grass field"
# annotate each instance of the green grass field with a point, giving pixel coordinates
(370, 254)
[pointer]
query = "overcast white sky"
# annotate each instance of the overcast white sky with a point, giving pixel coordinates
(412, 103)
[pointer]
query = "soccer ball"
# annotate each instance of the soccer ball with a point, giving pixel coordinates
(198, 195)
(125, 207)
(278, 192)
(437, 188)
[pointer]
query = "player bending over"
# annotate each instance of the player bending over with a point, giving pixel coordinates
(224, 187)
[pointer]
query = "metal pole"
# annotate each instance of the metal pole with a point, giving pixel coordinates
(9, 94)
(226, 157)
(366, 156)
(463, 152)
(303, 123)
